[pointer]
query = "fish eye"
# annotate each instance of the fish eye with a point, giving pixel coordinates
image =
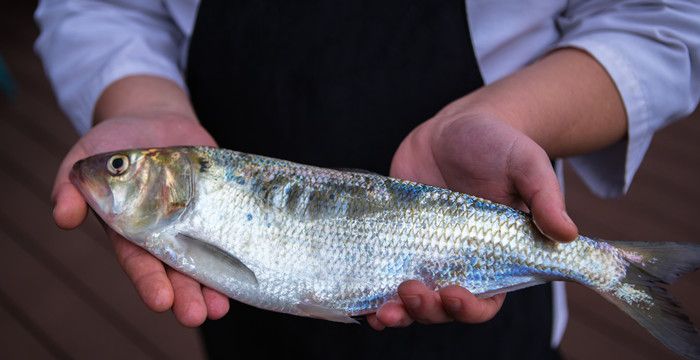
(117, 164)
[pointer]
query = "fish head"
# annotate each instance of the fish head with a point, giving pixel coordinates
(136, 191)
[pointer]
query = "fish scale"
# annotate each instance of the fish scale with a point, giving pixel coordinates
(334, 244)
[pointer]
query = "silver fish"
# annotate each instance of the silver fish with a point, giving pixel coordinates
(334, 244)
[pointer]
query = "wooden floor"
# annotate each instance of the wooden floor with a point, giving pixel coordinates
(62, 294)
(662, 205)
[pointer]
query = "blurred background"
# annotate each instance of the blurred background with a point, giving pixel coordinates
(63, 295)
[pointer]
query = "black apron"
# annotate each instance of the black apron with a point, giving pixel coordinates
(340, 84)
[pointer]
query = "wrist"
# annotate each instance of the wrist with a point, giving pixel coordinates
(565, 102)
(152, 116)
(144, 97)
(484, 106)
(479, 107)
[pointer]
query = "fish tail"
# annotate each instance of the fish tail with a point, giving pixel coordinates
(643, 296)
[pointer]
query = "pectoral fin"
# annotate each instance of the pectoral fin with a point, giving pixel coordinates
(212, 256)
(321, 312)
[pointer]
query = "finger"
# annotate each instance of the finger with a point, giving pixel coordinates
(188, 305)
(423, 304)
(463, 306)
(535, 180)
(374, 322)
(393, 314)
(69, 207)
(146, 273)
(216, 302)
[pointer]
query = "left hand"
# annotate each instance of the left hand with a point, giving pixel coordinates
(481, 155)
(159, 286)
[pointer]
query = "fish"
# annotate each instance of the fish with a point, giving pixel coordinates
(335, 244)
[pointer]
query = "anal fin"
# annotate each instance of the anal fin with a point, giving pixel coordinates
(322, 312)
(357, 171)
(513, 286)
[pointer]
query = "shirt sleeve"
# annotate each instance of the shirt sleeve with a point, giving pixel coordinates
(87, 44)
(651, 50)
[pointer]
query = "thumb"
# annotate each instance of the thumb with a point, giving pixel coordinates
(533, 176)
(70, 208)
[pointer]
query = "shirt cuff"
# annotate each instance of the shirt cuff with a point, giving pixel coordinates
(83, 112)
(609, 172)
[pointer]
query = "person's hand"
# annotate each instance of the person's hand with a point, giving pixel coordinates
(483, 156)
(160, 287)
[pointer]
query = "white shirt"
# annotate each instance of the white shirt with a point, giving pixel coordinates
(651, 50)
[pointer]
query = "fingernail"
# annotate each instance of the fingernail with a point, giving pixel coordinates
(453, 304)
(540, 230)
(566, 217)
(413, 302)
(381, 308)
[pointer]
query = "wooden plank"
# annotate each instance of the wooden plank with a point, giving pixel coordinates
(591, 309)
(678, 142)
(39, 138)
(641, 216)
(27, 157)
(660, 206)
(671, 208)
(47, 300)
(583, 341)
(35, 107)
(687, 292)
(674, 159)
(21, 338)
(37, 113)
(34, 94)
(52, 132)
(36, 148)
(92, 272)
(36, 167)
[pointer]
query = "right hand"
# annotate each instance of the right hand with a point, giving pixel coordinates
(477, 153)
(160, 287)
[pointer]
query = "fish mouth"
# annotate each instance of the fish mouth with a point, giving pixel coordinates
(95, 192)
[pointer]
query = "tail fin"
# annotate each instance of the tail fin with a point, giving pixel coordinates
(643, 297)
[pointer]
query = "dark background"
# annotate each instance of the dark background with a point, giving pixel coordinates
(62, 294)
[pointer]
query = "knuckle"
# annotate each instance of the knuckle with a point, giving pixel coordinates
(144, 280)
(130, 259)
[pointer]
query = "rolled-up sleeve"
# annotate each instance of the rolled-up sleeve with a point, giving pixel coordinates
(651, 50)
(86, 45)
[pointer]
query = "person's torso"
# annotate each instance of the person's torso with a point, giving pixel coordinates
(340, 84)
